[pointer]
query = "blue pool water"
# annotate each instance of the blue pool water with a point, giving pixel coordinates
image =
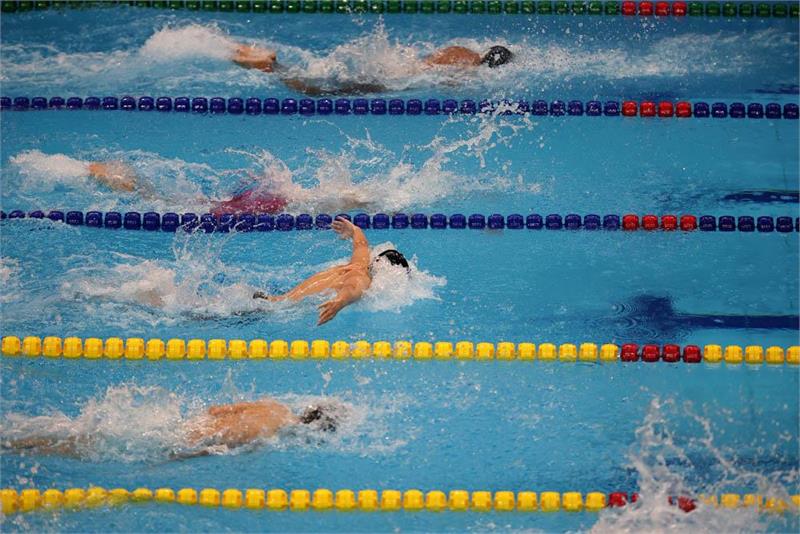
(654, 428)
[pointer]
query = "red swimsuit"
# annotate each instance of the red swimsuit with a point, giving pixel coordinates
(251, 201)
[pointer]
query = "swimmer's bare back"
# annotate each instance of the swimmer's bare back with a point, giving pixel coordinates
(234, 425)
(454, 56)
(349, 281)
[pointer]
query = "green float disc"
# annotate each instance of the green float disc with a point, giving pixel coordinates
(779, 10)
(477, 6)
(410, 6)
(713, 9)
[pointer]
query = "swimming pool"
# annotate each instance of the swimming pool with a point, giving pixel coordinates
(658, 429)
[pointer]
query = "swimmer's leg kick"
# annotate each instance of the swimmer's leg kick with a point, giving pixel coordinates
(344, 89)
(46, 445)
(188, 455)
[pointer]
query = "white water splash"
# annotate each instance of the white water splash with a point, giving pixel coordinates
(40, 172)
(394, 289)
(664, 468)
(365, 175)
(196, 284)
(162, 184)
(191, 41)
(10, 271)
(103, 430)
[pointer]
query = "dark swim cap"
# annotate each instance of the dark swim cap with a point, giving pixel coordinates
(394, 257)
(497, 55)
(318, 413)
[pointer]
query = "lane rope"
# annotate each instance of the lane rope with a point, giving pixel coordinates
(523, 7)
(369, 500)
(154, 349)
(412, 106)
(263, 222)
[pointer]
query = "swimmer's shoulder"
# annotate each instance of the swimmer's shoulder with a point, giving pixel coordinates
(454, 55)
(272, 405)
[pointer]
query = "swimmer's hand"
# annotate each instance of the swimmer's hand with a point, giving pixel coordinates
(329, 309)
(251, 57)
(115, 174)
(343, 227)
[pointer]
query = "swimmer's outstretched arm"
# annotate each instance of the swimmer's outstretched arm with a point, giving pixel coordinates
(348, 292)
(114, 174)
(358, 280)
(121, 177)
(346, 295)
(348, 230)
(328, 278)
(251, 57)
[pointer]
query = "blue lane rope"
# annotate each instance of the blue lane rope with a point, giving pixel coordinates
(208, 223)
(397, 106)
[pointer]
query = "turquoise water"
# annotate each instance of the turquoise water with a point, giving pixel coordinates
(659, 429)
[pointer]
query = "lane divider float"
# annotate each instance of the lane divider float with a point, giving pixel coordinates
(511, 7)
(370, 500)
(136, 348)
(264, 222)
(413, 106)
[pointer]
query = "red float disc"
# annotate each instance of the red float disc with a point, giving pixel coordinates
(688, 223)
(630, 222)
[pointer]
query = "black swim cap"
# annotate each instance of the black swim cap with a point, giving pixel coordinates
(497, 55)
(317, 413)
(394, 257)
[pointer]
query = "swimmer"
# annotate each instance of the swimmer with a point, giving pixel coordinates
(121, 177)
(459, 57)
(225, 426)
(348, 282)
(255, 198)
